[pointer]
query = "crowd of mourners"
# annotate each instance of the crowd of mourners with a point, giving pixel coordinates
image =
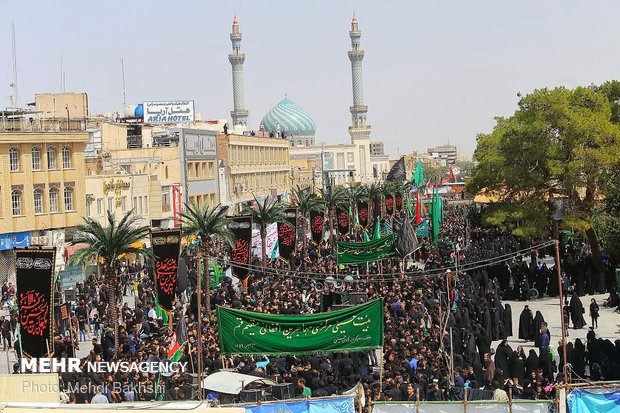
(439, 327)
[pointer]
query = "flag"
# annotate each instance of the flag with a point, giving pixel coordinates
(452, 177)
(366, 236)
(418, 175)
(409, 205)
(161, 313)
(397, 173)
(179, 339)
(418, 209)
(436, 215)
(377, 234)
(357, 220)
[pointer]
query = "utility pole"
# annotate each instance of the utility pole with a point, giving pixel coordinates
(15, 98)
(123, 73)
(559, 271)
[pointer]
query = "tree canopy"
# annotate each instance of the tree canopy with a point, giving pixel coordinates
(560, 144)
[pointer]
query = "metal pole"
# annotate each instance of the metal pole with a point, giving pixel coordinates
(559, 271)
(199, 322)
(381, 373)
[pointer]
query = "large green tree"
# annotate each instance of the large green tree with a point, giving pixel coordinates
(264, 214)
(559, 144)
(106, 244)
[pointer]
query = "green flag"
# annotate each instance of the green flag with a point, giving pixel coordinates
(418, 175)
(351, 329)
(161, 313)
(366, 236)
(377, 234)
(436, 215)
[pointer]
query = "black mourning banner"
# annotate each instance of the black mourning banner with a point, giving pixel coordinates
(241, 228)
(166, 247)
(399, 202)
(362, 213)
(287, 233)
(376, 208)
(317, 222)
(35, 298)
(389, 204)
(342, 221)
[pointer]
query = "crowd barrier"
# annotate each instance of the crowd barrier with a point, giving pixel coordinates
(483, 406)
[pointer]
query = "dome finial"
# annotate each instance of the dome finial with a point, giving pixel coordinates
(235, 25)
(285, 95)
(354, 23)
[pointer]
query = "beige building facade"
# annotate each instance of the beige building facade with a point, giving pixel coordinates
(252, 166)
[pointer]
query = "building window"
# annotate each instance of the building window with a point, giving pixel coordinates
(38, 201)
(66, 157)
(211, 169)
(51, 158)
(165, 198)
(124, 203)
(53, 200)
(110, 204)
(140, 205)
(16, 202)
(99, 206)
(36, 159)
(146, 204)
(68, 199)
(13, 160)
(89, 207)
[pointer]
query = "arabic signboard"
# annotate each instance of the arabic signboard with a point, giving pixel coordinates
(70, 276)
(176, 111)
(14, 240)
(271, 238)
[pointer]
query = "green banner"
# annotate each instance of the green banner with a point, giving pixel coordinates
(355, 253)
(352, 329)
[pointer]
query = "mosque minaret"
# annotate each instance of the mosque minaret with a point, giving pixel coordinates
(236, 58)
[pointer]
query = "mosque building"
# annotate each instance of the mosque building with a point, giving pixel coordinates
(312, 165)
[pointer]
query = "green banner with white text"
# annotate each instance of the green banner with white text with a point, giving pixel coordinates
(351, 329)
(355, 253)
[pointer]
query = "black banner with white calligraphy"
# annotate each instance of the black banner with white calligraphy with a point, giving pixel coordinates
(287, 233)
(317, 223)
(34, 271)
(362, 213)
(166, 246)
(241, 227)
(342, 221)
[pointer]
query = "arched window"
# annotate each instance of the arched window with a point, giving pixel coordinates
(13, 159)
(36, 159)
(68, 198)
(66, 157)
(51, 157)
(53, 199)
(38, 201)
(16, 202)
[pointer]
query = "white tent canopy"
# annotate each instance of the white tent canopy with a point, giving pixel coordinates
(229, 382)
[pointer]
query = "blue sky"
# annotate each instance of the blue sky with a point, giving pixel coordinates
(434, 71)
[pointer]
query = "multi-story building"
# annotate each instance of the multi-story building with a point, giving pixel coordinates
(42, 191)
(446, 154)
(182, 160)
(376, 148)
(251, 166)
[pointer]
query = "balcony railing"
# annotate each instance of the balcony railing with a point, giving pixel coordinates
(41, 125)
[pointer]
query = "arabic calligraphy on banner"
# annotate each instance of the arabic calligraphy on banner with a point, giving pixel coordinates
(34, 274)
(355, 328)
(166, 247)
(271, 238)
(177, 111)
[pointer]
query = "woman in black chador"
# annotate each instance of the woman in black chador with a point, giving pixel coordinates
(525, 324)
(577, 311)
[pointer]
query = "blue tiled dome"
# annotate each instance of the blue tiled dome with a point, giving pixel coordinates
(290, 118)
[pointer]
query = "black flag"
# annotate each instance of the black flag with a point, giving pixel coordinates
(317, 222)
(342, 219)
(241, 227)
(398, 172)
(35, 299)
(287, 233)
(166, 246)
(362, 213)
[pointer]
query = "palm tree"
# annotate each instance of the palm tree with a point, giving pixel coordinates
(265, 214)
(374, 193)
(332, 197)
(306, 201)
(206, 224)
(106, 244)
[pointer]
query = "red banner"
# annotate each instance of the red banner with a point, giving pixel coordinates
(177, 205)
